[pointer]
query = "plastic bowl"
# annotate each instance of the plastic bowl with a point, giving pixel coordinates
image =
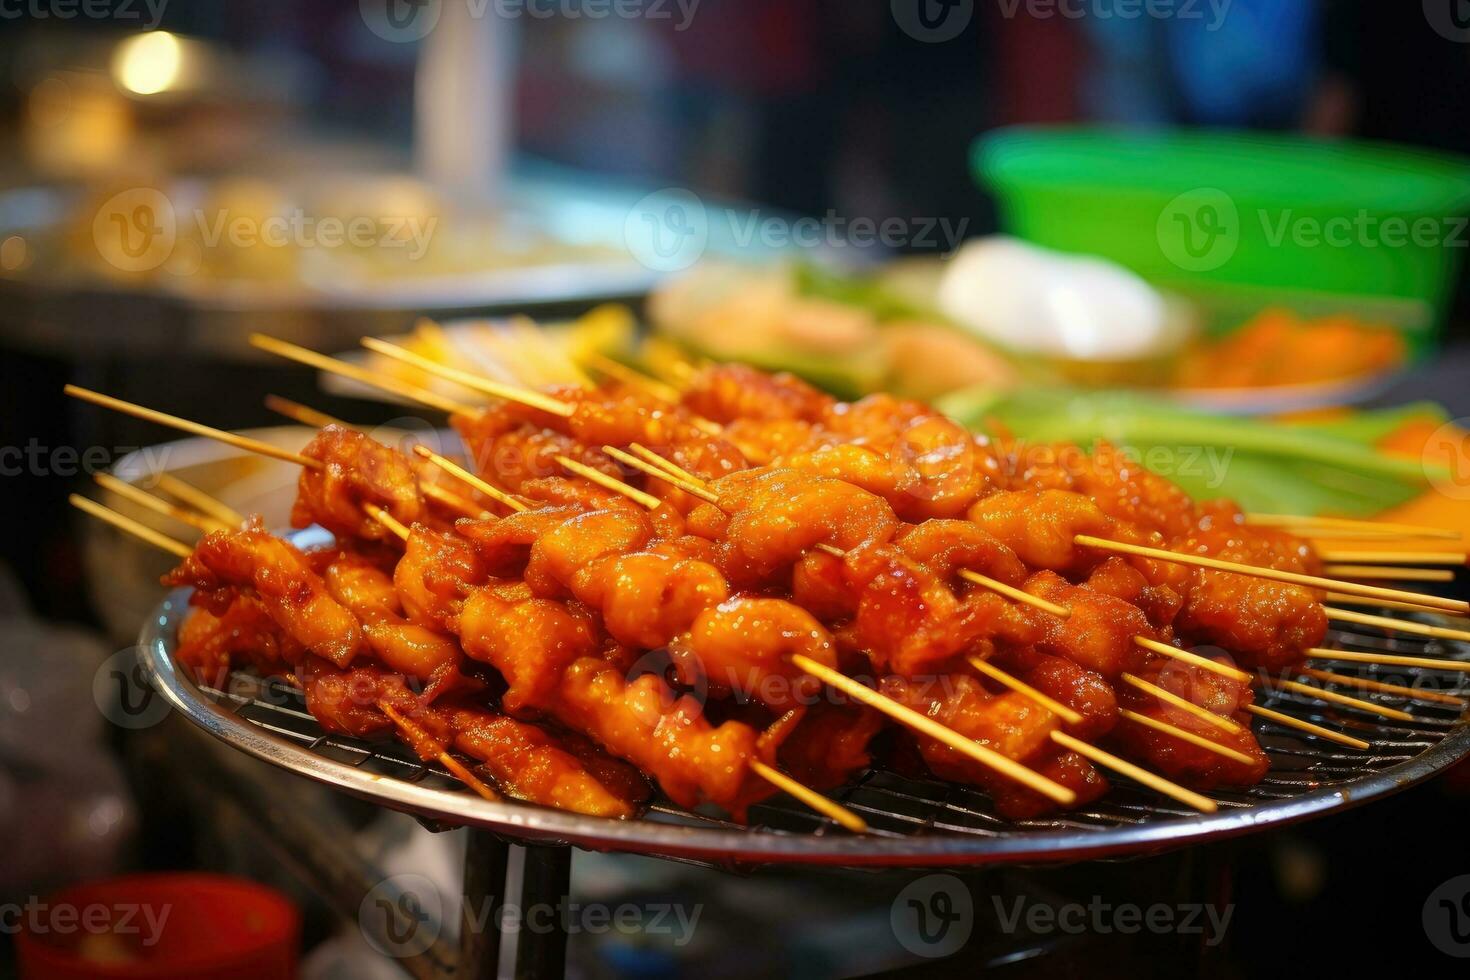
(1212, 211)
(161, 927)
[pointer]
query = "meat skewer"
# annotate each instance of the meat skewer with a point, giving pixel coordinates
(811, 798)
(1091, 752)
(1145, 642)
(412, 733)
(1378, 593)
(757, 766)
(686, 485)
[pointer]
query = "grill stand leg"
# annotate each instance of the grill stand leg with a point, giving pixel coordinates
(546, 881)
(484, 890)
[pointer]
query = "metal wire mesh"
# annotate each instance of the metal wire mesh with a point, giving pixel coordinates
(896, 806)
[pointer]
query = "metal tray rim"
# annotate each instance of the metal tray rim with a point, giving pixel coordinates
(528, 821)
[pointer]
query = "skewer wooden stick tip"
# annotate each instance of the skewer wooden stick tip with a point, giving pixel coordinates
(194, 428)
(813, 800)
(126, 524)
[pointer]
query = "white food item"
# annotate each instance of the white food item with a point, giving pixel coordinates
(1033, 300)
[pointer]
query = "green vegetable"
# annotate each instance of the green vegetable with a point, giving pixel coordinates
(1326, 467)
(865, 293)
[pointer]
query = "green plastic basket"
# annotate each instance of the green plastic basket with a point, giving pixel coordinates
(1252, 218)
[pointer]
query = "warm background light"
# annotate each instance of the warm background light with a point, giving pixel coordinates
(149, 63)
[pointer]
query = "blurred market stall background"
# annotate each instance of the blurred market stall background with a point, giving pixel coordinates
(1232, 227)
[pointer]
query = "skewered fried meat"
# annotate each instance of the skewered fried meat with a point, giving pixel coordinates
(548, 652)
(924, 466)
(830, 742)
(1262, 623)
(1099, 634)
(280, 576)
(408, 648)
(529, 764)
(1013, 725)
(524, 760)
(356, 469)
(727, 392)
(562, 599)
(1178, 759)
(211, 645)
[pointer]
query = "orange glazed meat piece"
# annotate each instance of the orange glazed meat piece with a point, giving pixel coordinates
(282, 579)
(356, 470)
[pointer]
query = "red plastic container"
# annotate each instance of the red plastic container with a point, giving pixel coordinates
(161, 927)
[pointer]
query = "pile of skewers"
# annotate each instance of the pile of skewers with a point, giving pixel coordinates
(728, 584)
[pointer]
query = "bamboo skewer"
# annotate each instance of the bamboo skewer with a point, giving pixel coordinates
(1393, 557)
(1322, 694)
(511, 393)
(304, 414)
(1185, 735)
(1382, 687)
(463, 506)
(454, 469)
(1354, 600)
(1381, 537)
(387, 520)
(1306, 726)
(632, 377)
(1401, 625)
(1013, 593)
(609, 483)
(1136, 773)
(648, 455)
(1389, 573)
(124, 523)
(627, 459)
(1224, 670)
(925, 725)
(198, 499)
(814, 800)
(1021, 687)
(416, 736)
(1387, 659)
(1346, 523)
(194, 428)
(412, 392)
(1187, 706)
(157, 504)
(1274, 574)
